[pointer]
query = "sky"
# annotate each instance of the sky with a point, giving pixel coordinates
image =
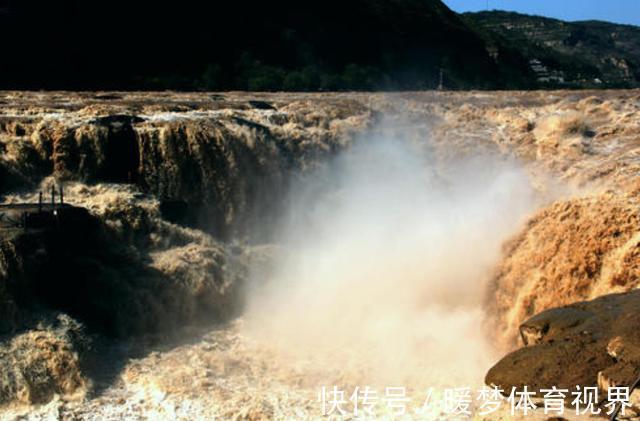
(619, 11)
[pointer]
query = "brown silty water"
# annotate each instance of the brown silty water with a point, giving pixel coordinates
(378, 266)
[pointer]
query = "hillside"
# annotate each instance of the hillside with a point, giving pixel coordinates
(572, 54)
(286, 45)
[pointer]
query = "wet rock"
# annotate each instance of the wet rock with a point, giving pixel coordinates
(175, 211)
(588, 343)
(107, 97)
(251, 124)
(261, 105)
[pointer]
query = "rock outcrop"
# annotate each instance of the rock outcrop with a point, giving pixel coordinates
(590, 343)
(573, 250)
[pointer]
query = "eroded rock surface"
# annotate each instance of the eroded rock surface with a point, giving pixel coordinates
(587, 343)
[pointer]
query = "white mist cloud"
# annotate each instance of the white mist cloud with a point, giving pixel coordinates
(386, 256)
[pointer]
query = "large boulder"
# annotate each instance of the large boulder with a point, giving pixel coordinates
(587, 343)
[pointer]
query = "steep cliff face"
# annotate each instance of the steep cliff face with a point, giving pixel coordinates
(566, 53)
(352, 44)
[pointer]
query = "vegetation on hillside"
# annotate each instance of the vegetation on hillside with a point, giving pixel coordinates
(295, 46)
(584, 54)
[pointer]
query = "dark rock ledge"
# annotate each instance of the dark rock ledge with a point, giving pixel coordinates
(591, 343)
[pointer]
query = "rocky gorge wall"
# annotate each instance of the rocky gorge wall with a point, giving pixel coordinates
(182, 184)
